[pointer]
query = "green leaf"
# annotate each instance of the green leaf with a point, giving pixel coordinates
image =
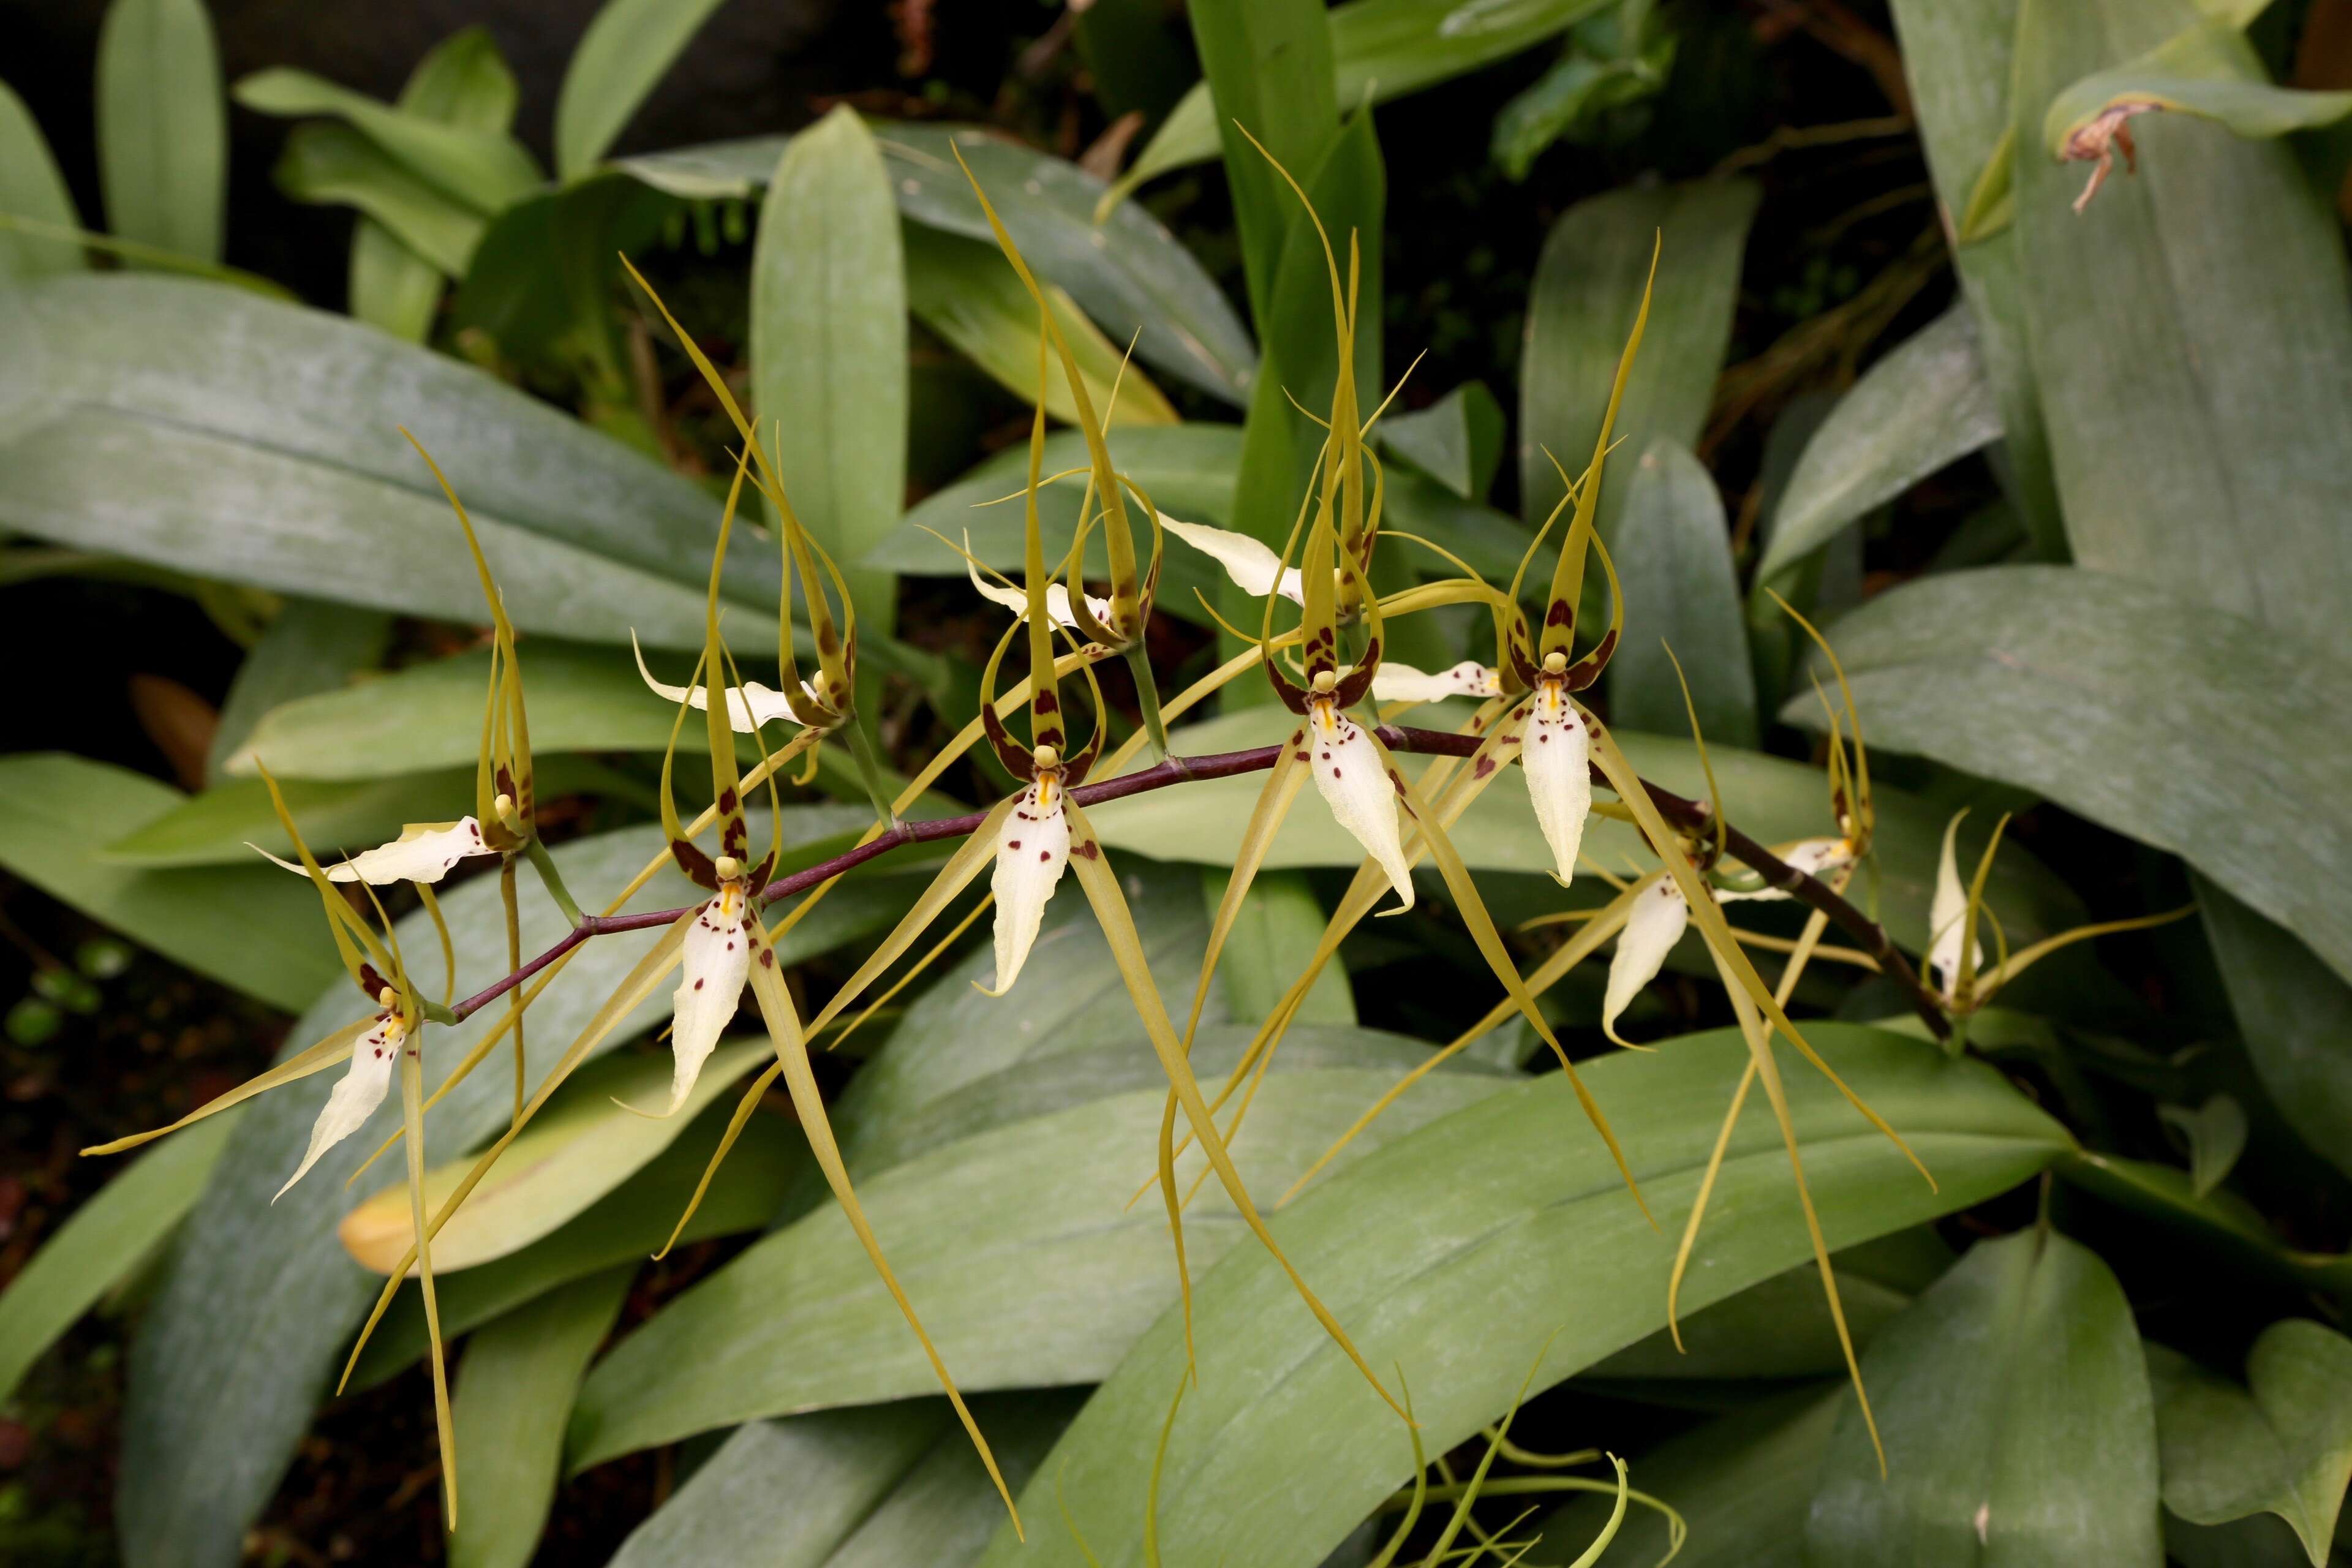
(1741, 1482)
(871, 1488)
(543, 279)
(2218, 1221)
(484, 170)
(252, 927)
(328, 164)
(258, 1304)
(104, 1244)
(215, 432)
(1613, 61)
(1507, 1215)
(461, 81)
(520, 1374)
(2294, 1015)
(1130, 274)
(162, 127)
(2189, 729)
(2017, 1424)
(2257, 1540)
(1588, 287)
(2208, 70)
(1928, 403)
(312, 646)
(2216, 1134)
(2196, 373)
(1272, 937)
(1774, 799)
(1268, 62)
(626, 1225)
(969, 294)
(2284, 1446)
(1956, 59)
(1673, 557)
(829, 345)
(1779, 1328)
(622, 56)
(1457, 440)
(591, 1138)
(391, 287)
(1382, 49)
(31, 188)
(1016, 1243)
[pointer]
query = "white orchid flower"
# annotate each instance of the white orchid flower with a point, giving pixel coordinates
(1556, 754)
(1033, 851)
(1948, 921)
(1255, 569)
(1397, 682)
(716, 962)
(359, 1091)
(1661, 913)
(751, 706)
(1355, 783)
(424, 852)
(1057, 599)
(1659, 916)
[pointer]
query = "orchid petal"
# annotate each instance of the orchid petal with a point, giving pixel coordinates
(356, 1094)
(718, 960)
(423, 853)
(1948, 919)
(1057, 599)
(1555, 753)
(1255, 569)
(1817, 858)
(1659, 915)
(749, 707)
(1349, 771)
(1033, 849)
(1397, 682)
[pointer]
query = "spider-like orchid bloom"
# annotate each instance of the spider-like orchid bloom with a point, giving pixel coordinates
(1033, 839)
(826, 704)
(389, 1036)
(1254, 569)
(503, 793)
(1057, 597)
(718, 943)
(1119, 624)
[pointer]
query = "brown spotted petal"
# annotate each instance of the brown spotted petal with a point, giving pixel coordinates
(718, 960)
(1555, 753)
(1347, 769)
(1033, 849)
(424, 852)
(357, 1094)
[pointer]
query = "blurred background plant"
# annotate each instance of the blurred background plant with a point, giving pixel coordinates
(2063, 489)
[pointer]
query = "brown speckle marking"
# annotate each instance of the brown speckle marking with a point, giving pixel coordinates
(1047, 702)
(767, 958)
(1559, 614)
(1087, 849)
(1481, 768)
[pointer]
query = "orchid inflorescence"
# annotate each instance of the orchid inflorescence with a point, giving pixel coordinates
(1329, 670)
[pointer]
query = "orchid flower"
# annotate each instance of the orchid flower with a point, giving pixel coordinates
(1057, 598)
(824, 705)
(1120, 626)
(717, 947)
(751, 706)
(424, 852)
(389, 1036)
(1031, 838)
